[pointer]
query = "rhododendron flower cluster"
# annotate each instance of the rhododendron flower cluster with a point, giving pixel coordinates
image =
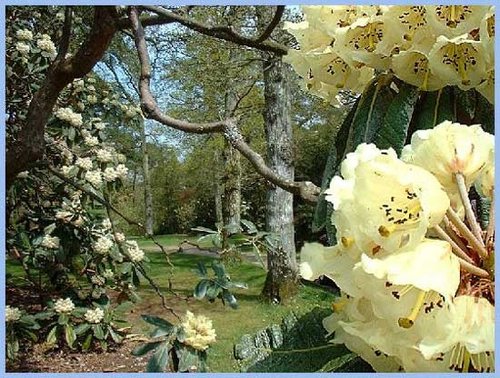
(94, 316)
(62, 306)
(414, 266)
(198, 331)
(427, 46)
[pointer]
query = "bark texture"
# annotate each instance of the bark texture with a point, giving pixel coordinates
(282, 279)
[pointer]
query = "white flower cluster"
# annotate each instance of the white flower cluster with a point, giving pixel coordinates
(94, 316)
(104, 155)
(24, 35)
(51, 242)
(119, 237)
(136, 254)
(106, 224)
(103, 245)
(47, 47)
(417, 285)
(121, 171)
(94, 177)
(68, 115)
(63, 306)
(23, 48)
(12, 314)
(199, 332)
(427, 46)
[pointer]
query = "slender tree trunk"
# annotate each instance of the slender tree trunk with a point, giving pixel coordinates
(219, 190)
(282, 278)
(232, 167)
(148, 198)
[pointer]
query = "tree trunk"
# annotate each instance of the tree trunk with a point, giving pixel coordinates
(232, 167)
(282, 278)
(219, 191)
(148, 198)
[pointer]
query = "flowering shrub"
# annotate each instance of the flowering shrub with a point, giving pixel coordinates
(413, 264)
(181, 347)
(430, 47)
(19, 326)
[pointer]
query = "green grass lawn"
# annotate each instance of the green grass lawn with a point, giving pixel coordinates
(252, 315)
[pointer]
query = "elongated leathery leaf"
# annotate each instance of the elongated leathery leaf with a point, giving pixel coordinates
(433, 108)
(397, 118)
(337, 150)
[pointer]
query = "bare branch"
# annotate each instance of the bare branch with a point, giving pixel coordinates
(228, 127)
(272, 25)
(30, 143)
(225, 33)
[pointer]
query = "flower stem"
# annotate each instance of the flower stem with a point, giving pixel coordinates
(491, 223)
(454, 246)
(469, 214)
(452, 233)
(466, 233)
(473, 269)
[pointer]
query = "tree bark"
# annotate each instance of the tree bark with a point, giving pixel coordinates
(282, 278)
(148, 198)
(232, 164)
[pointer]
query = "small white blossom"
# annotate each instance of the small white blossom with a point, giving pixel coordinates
(51, 242)
(119, 237)
(47, 47)
(100, 126)
(24, 35)
(122, 171)
(64, 306)
(23, 48)
(103, 245)
(60, 16)
(84, 163)
(78, 85)
(198, 330)
(66, 170)
(121, 158)
(92, 99)
(23, 174)
(68, 115)
(110, 174)
(12, 314)
(94, 316)
(91, 141)
(94, 177)
(104, 155)
(136, 254)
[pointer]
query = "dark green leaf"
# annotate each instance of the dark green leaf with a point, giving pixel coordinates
(158, 322)
(433, 108)
(52, 336)
(485, 114)
(202, 270)
(219, 269)
(116, 337)
(88, 342)
(239, 285)
(159, 359)
(82, 328)
(337, 152)
(143, 349)
(348, 362)
(126, 267)
(229, 298)
(213, 291)
(188, 358)
(116, 255)
(98, 331)
(201, 288)
(397, 119)
(63, 319)
(70, 335)
(251, 228)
